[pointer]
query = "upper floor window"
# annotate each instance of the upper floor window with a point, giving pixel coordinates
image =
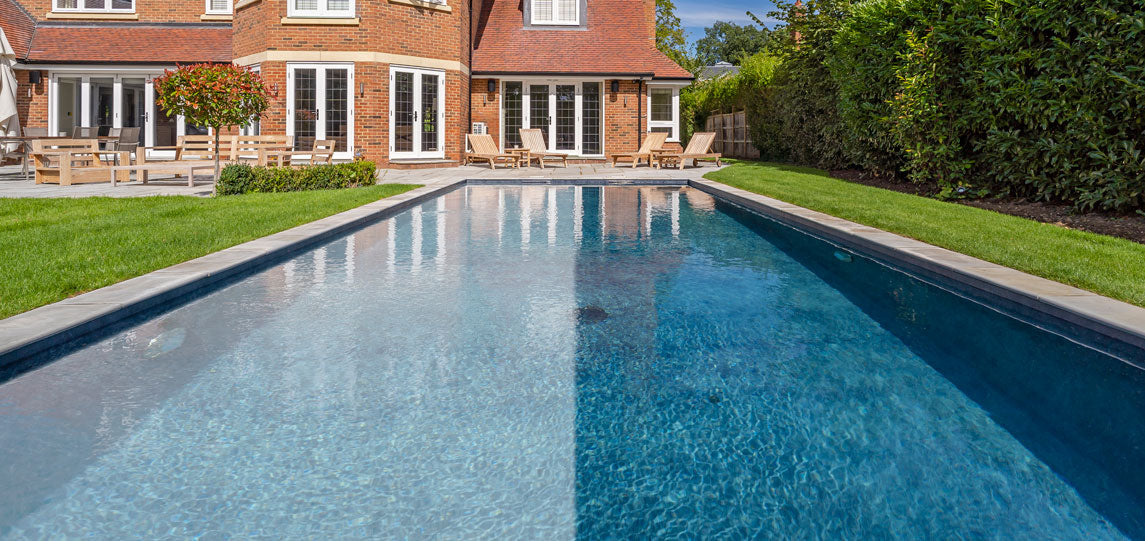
(321, 8)
(94, 5)
(220, 7)
(556, 12)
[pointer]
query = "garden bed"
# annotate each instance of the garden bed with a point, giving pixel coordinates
(1126, 226)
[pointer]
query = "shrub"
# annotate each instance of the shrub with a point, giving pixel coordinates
(242, 178)
(749, 90)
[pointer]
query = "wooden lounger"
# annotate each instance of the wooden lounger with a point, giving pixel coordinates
(485, 150)
(698, 149)
(653, 143)
(534, 141)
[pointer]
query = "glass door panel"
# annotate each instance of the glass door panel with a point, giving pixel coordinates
(102, 104)
(539, 116)
(337, 109)
(429, 101)
(68, 107)
(565, 121)
(590, 120)
(305, 107)
(403, 111)
(513, 103)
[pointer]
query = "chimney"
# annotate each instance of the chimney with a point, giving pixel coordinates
(650, 8)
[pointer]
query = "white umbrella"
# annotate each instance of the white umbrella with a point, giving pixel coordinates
(9, 120)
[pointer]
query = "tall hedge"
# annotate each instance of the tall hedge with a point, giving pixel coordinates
(749, 90)
(806, 95)
(1062, 101)
(864, 62)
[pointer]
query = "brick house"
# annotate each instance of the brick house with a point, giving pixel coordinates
(399, 82)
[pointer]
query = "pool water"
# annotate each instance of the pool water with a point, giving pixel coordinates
(575, 362)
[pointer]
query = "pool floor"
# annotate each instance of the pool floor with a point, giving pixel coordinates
(538, 362)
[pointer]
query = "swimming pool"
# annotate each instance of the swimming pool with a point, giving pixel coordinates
(558, 362)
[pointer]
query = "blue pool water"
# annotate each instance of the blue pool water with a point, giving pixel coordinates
(575, 362)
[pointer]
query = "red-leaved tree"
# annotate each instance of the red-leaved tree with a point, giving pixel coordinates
(214, 95)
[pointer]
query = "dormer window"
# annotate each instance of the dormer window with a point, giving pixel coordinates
(560, 12)
(322, 8)
(95, 6)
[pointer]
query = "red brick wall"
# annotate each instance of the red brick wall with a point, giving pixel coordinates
(385, 27)
(148, 10)
(624, 116)
(487, 106)
(33, 111)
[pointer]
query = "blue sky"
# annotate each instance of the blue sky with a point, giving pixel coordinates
(700, 14)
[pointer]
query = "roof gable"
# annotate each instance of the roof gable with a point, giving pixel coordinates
(614, 38)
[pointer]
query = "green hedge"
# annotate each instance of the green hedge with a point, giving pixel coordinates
(1034, 98)
(241, 178)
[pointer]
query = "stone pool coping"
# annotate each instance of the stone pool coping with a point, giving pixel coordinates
(1112, 320)
(25, 335)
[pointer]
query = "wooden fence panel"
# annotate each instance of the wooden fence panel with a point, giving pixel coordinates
(733, 138)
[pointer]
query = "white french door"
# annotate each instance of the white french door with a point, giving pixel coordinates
(417, 113)
(320, 106)
(568, 113)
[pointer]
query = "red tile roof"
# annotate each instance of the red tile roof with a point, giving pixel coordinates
(130, 44)
(18, 26)
(617, 41)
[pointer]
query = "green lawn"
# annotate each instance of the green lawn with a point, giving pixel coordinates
(52, 249)
(1107, 265)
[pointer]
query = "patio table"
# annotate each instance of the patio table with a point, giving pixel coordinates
(524, 155)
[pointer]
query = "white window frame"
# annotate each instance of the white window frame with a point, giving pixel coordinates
(320, 91)
(80, 9)
(674, 124)
(227, 11)
(554, 21)
(322, 12)
(527, 120)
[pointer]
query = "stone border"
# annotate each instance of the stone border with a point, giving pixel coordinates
(1065, 306)
(30, 333)
(25, 335)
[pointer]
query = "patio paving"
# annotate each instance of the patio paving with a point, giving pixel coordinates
(12, 183)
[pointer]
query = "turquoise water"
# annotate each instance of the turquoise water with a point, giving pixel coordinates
(575, 362)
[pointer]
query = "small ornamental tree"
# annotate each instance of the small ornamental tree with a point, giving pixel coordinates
(213, 95)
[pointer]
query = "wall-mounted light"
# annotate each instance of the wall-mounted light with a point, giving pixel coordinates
(492, 85)
(615, 86)
(35, 77)
(361, 90)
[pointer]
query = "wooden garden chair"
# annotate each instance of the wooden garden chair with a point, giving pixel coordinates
(698, 149)
(485, 150)
(534, 141)
(652, 144)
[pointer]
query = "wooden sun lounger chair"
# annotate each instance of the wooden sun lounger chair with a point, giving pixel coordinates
(485, 150)
(653, 143)
(698, 149)
(534, 141)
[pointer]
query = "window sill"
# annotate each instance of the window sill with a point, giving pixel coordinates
(320, 21)
(424, 4)
(211, 17)
(93, 16)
